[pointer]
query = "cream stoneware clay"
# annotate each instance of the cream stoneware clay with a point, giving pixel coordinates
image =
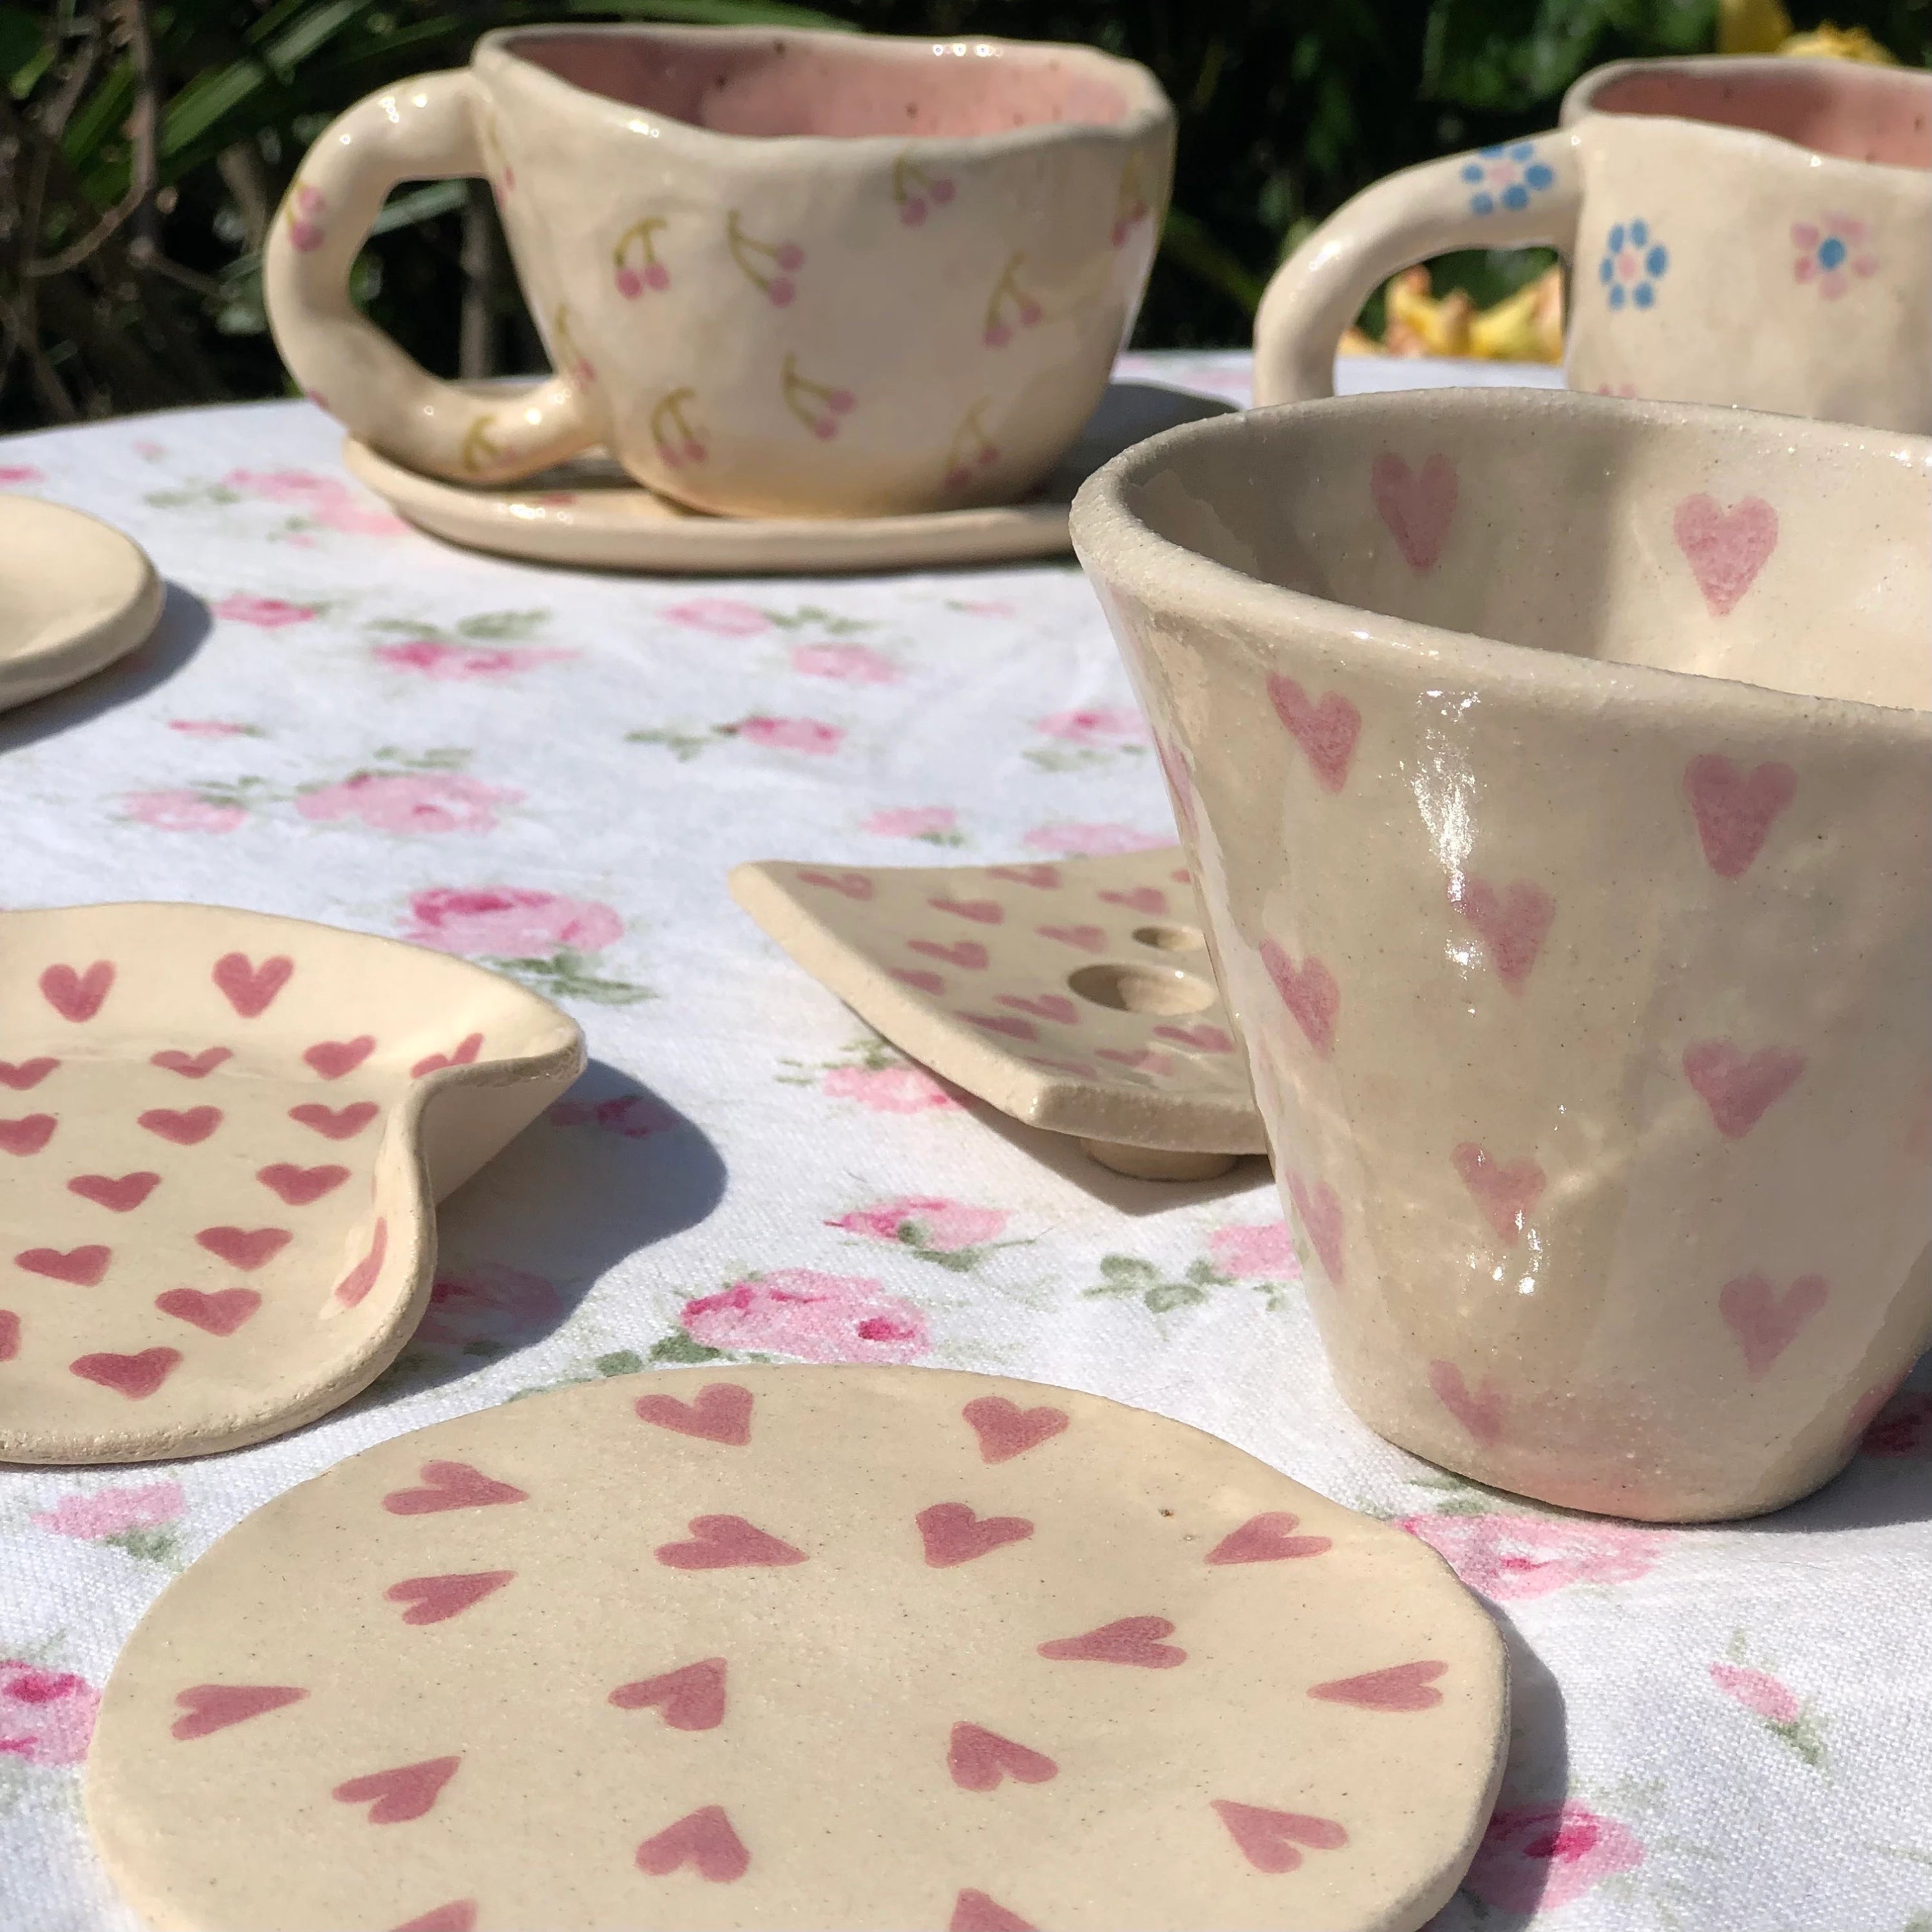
(221, 1136)
(777, 273)
(1755, 231)
(720, 1648)
(1556, 777)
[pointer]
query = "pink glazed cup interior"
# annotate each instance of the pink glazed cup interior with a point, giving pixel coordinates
(1832, 107)
(772, 86)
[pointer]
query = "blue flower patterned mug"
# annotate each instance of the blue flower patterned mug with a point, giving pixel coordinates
(1753, 231)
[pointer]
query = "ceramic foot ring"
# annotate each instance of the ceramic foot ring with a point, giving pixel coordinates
(1075, 996)
(221, 1135)
(789, 1647)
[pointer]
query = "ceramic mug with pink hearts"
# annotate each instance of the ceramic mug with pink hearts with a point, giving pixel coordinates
(1753, 231)
(1556, 774)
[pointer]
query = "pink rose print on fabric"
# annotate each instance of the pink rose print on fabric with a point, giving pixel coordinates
(182, 811)
(817, 1318)
(1510, 1558)
(113, 1513)
(931, 1222)
(432, 658)
(325, 500)
(1758, 1691)
(791, 734)
(849, 663)
(485, 1309)
(723, 616)
(410, 801)
(1069, 841)
(1904, 1427)
(269, 614)
(46, 1716)
(16, 475)
(508, 922)
(1537, 1857)
(890, 1090)
(1243, 1252)
(633, 1117)
(1102, 727)
(937, 824)
(1831, 254)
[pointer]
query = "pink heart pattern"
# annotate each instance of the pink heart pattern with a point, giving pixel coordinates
(1087, 938)
(1736, 1087)
(28, 1134)
(335, 1123)
(298, 1187)
(83, 1267)
(244, 1248)
(1402, 1687)
(967, 953)
(1130, 1640)
(405, 1792)
(1326, 730)
(952, 1534)
(1480, 1414)
(853, 885)
(1417, 507)
(1512, 923)
(978, 1758)
(191, 1065)
(1725, 549)
(209, 1707)
(1005, 1429)
(728, 1543)
(1309, 993)
(1143, 899)
(1269, 1537)
(976, 1912)
(984, 912)
(1054, 1006)
(23, 1075)
(187, 1128)
(703, 1839)
(1765, 1323)
(721, 1412)
(333, 1058)
(1736, 809)
(1319, 1210)
(1506, 1191)
(220, 1313)
(690, 1699)
(77, 996)
(251, 989)
(435, 1600)
(1042, 878)
(136, 1376)
(449, 1485)
(1271, 1841)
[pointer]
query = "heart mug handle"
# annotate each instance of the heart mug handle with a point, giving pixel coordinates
(420, 130)
(1527, 192)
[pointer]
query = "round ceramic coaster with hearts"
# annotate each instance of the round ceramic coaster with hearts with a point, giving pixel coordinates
(792, 1647)
(220, 1135)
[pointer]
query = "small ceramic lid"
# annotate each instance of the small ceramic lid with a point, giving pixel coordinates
(801, 1647)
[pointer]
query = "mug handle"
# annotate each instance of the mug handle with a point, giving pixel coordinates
(1425, 211)
(423, 129)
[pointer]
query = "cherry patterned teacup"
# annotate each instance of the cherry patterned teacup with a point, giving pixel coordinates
(1556, 776)
(1753, 231)
(777, 273)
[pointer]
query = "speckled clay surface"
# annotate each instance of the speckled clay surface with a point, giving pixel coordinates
(588, 511)
(1756, 231)
(801, 1647)
(1557, 774)
(778, 274)
(74, 596)
(1075, 996)
(223, 1133)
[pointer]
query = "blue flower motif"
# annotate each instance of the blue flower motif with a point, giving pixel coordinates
(1633, 264)
(1506, 177)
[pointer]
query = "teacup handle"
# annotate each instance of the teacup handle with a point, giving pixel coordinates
(423, 129)
(1466, 201)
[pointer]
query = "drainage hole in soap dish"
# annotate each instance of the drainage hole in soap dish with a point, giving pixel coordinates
(1170, 938)
(1141, 989)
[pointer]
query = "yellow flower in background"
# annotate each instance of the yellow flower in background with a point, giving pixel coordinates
(1525, 327)
(1831, 42)
(1752, 26)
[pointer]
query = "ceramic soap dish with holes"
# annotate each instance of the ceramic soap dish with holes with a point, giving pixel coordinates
(1076, 997)
(221, 1135)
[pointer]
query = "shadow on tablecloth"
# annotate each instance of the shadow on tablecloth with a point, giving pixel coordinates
(185, 623)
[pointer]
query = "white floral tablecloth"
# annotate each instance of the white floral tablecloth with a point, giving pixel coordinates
(1724, 1730)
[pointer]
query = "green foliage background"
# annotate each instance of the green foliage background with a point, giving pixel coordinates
(1287, 107)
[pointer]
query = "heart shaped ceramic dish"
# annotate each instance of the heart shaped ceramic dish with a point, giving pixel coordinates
(224, 1134)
